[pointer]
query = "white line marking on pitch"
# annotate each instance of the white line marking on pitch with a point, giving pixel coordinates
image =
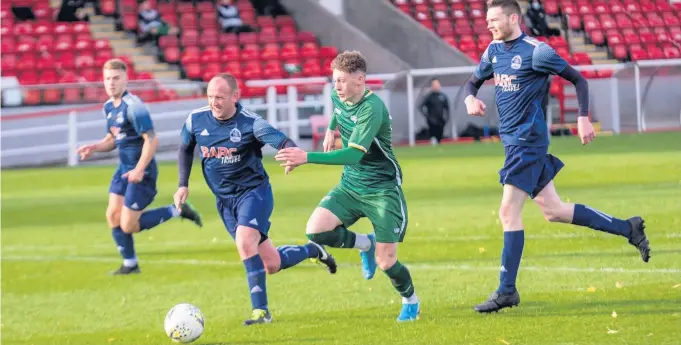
(149, 244)
(416, 266)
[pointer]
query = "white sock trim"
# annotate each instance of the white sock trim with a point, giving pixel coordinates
(362, 242)
(130, 262)
(411, 299)
(174, 211)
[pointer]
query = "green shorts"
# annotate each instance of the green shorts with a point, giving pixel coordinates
(387, 211)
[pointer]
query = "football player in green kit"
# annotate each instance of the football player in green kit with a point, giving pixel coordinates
(371, 184)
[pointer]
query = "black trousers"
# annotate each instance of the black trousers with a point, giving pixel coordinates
(437, 131)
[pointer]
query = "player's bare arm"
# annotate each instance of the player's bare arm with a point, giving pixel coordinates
(148, 151)
(108, 143)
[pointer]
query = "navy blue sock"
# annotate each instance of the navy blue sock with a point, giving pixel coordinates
(157, 216)
(293, 255)
(514, 241)
(125, 243)
(255, 273)
(597, 220)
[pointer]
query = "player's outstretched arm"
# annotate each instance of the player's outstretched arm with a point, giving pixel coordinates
(369, 121)
(185, 158)
(107, 144)
(329, 143)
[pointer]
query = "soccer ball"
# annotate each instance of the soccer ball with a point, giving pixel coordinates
(184, 323)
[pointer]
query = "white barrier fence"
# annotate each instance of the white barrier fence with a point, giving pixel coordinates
(635, 89)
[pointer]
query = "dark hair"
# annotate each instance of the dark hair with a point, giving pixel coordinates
(509, 6)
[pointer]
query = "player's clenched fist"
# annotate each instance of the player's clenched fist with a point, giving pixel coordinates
(474, 106)
(180, 197)
(329, 141)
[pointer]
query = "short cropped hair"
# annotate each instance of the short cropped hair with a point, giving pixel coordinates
(231, 81)
(509, 6)
(350, 62)
(116, 64)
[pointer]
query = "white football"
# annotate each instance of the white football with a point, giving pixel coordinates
(184, 323)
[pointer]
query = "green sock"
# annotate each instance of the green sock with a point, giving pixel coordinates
(340, 237)
(401, 279)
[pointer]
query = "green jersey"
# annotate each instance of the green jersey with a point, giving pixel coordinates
(367, 126)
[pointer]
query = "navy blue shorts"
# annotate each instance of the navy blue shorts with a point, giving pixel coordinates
(529, 168)
(252, 209)
(137, 195)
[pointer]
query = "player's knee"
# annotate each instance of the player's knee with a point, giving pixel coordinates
(129, 227)
(385, 261)
(113, 216)
(247, 246)
(314, 227)
(507, 214)
(556, 212)
(386, 258)
(271, 267)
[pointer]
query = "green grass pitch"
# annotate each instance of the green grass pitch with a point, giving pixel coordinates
(57, 252)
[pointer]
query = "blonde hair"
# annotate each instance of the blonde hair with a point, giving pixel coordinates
(116, 64)
(350, 62)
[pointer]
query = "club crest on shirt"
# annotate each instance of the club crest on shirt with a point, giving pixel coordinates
(235, 135)
(516, 62)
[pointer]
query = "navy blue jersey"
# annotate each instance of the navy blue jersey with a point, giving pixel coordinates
(521, 74)
(231, 150)
(127, 123)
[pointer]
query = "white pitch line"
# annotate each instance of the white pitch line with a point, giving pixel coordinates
(302, 239)
(415, 266)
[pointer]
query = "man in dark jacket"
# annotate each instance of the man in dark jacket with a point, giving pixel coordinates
(435, 107)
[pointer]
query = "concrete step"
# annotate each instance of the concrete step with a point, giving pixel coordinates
(577, 40)
(583, 48)
(108, 35)
(167, 75)
(150, 67)
(128, 51)
(606, 62)
(599, 55)
(144, 60)
(122, 43)
(102, 27)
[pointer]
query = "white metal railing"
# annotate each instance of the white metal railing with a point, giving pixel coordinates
(67, 133)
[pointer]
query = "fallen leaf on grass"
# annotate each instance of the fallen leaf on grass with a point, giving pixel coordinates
(504, 342)
(676, 286)
(111, 339)
(481, 250)
(612, 331)
(618, 285)
(650, 334)
(591, 289)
